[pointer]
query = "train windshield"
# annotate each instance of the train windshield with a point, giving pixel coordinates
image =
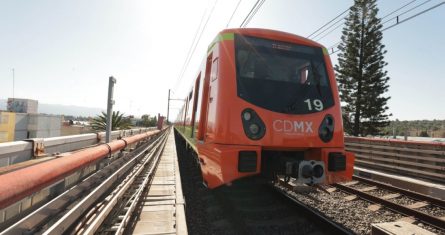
(282, 77)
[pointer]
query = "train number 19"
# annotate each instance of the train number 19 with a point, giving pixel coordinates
(318, 105)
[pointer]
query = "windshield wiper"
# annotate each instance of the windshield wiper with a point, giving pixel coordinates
(316, 75)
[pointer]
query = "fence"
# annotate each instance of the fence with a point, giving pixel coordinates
(411, 158)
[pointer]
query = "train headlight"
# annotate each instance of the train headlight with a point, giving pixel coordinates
(326, 129)
(247, 116)
(253, 126)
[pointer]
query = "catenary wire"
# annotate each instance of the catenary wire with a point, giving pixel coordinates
(331, 48)
(195, 45)
(328, 23)
(233, 13)
(387, 15)
(252, 13)
(404, 20)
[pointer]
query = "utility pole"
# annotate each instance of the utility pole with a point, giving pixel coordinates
(110, 103)
(13, 84)
(168, 105)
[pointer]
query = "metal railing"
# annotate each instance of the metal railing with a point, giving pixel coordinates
(44, 184)
(411, 158)
(20, 151)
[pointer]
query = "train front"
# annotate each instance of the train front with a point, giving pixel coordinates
(274, 111)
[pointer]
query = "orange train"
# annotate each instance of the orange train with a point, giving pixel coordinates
(266, 102)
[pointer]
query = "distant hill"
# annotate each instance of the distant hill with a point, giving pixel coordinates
(60, 109)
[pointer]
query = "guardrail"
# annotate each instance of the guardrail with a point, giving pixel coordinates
(411, 158)
(25, 188)
(20, 151)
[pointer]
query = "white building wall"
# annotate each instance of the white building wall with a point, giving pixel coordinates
(37, 126)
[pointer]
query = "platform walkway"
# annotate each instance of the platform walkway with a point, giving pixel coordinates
(163, 206)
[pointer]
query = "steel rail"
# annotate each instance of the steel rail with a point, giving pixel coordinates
(21, 183)
(151, 163)
(432, 220)
(72, 216)
(418, 196)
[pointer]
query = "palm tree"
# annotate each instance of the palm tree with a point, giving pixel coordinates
(118, 122)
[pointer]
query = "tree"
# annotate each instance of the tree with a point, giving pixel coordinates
(424, 134)
(118, 122)
(360, 71)
(148, 121)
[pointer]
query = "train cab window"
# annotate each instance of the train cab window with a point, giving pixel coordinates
(214, 71)
(281, 76)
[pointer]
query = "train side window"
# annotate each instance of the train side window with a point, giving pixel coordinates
(214, 71)
(195, 104)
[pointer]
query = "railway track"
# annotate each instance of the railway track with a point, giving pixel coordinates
(340, 229)
(111, 192)
(114, 214)
(252, 206)
(358, 204)
(247, 206)
(427, 209)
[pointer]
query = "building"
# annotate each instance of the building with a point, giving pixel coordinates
(18, 105)
(19, 126)
(7, 126)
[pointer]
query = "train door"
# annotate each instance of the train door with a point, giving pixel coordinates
(213, 94)
(202, 126)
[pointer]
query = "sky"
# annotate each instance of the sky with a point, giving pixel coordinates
(63, 52)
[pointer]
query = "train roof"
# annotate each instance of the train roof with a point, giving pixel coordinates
(269, 34)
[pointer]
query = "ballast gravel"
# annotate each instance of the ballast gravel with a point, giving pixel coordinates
(353, 214)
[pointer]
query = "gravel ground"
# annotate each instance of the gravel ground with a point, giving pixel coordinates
(403, 200)
(380, 192)
(433, 210)
(354, 214)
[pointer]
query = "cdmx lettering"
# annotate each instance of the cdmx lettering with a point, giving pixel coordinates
(288, 126)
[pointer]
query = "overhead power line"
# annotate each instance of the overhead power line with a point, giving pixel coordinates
(387, 15)
(252, 13)
(398, 9)
(328, 23)
(341, 24)
(341, 19)
(414, 16)
(233, 13)
(191, 45)
(413, 8)
(194, 45)
(398, 22)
